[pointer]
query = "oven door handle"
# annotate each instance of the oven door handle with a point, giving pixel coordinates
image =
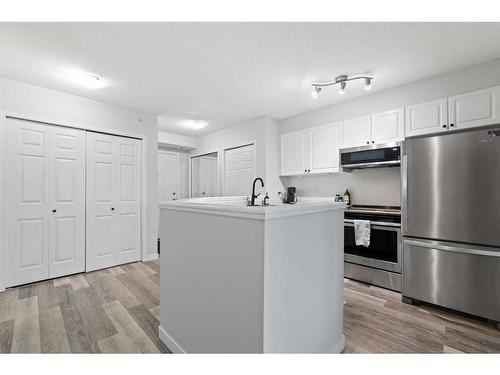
(374, 223)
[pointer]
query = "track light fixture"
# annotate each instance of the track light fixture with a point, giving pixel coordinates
(342, 80)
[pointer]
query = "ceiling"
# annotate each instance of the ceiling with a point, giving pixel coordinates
(226, 73)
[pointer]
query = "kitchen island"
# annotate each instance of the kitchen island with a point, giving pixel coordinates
(243, 279)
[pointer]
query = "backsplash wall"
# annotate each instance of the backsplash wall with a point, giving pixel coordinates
(380, 186)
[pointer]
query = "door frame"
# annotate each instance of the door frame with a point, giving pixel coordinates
(74, 125)
(163, 151)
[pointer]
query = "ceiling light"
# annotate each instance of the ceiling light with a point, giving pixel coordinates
(315, 92)
(90, 81)
(198, 125)
(342, 80)
(368, 83)
(342, 88)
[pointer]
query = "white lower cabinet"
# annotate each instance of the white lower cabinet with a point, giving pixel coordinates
(474, 109)
(113, 200)
(388, 126)
(427, 118)
(44, 202)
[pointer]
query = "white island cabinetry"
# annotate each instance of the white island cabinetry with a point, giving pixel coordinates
(238, 279)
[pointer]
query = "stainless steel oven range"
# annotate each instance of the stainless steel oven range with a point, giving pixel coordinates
(379, 263)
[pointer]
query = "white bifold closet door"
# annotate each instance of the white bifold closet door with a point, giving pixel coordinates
(44, 202)
(113, 200)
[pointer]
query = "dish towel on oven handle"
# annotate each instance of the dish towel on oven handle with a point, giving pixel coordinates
(362, 232)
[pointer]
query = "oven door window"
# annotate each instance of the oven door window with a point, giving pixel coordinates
(383, 244)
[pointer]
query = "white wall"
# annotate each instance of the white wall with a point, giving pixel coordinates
(382, 186)
(56, 107)
(264, 133)
(176, 140)
(369, 186)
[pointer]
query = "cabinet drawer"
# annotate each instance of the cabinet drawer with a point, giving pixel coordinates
(460, 277)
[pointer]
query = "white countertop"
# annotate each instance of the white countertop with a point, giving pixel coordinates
(236, 206)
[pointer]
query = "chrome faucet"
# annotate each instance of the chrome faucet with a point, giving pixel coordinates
(252, 202)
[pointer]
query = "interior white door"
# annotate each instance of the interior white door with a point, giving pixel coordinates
(208, 176)
(67, 201)
(388, 126)
(324, 145)
(293, 153)
(239, 171)
(168, 176)
(474, 109)
(128, 201)
(357, 131)
(426, 118)
(113, 200)
(26, 254)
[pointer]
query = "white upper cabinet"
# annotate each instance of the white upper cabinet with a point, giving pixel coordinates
(473, 109)
(293, 153)
(324, 144)
(357, 131)
(427, 118)
(388, 126)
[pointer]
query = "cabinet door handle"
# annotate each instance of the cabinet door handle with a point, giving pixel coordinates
(452, 125)
(368, 142)
(373, 141)
(305, 170)
(444, 126)
(112, 208)
(54, 211)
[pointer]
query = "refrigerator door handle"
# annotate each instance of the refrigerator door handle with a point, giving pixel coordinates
(456, 248)
(404, 192)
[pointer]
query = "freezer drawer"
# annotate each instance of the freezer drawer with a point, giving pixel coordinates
(461, 277)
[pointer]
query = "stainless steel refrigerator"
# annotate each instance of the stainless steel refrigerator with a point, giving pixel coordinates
(451, 221)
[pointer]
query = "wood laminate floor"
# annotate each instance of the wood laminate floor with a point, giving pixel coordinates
(116, 310)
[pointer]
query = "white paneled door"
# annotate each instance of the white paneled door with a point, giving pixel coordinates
(44, 201)
(113, 200)
(67, 201)
(239, 170)
(168, 176)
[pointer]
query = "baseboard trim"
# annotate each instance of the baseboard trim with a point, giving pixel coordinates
(148, 257)
(339, 346)
(169, 341)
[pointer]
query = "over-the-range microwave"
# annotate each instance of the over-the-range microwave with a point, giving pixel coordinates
(371, 156)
